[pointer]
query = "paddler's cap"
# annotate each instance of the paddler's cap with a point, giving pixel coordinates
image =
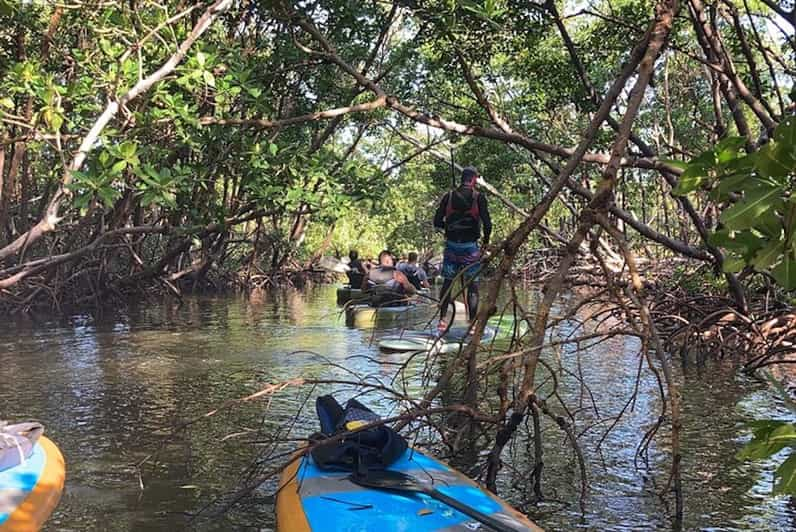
(468, 173)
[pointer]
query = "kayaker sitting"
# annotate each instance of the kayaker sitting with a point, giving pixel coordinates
(461, 213)
(413, 271)
(387, 286)
(358, 269)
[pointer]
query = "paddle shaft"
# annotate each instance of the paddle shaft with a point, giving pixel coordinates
(488, 520)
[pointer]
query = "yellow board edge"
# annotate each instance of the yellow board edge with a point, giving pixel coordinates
(290, 516)
(43, 499)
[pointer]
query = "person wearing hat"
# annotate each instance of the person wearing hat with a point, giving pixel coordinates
(462, 213)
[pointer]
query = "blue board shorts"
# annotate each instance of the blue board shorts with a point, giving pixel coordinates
(461, 256)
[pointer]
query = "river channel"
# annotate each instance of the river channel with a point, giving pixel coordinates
(108, 388)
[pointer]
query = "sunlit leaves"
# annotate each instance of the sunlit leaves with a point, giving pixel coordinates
(786, 132)
(692, 179)
(767, 256)
(197, 71)
(104, 177)
(755, 203)
(758, 216)
(158, 187)
(489, 10)
(7, 7)
(785, 273)
(710, 165)
(775, 160)
(770, 437)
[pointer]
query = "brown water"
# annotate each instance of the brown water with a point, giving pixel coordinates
(109, 387)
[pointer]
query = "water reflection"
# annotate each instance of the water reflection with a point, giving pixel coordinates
(107, 387)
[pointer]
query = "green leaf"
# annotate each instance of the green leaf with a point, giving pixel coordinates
(786, 132)
(681, 165)
(773, 161)
(744, 241)
(727, 149)
(151, 183)
(727, 185)
(56, 121)
(706, 159)
(691, 179)
(788, 439)
(761, 445)
(47, 114)
(7, 8)
(767, 256)
(127, 149)
(209, 78)
(106, 47)
(745, 213)
(168, 198)
(118, 167)
(201, 58)
(7, 102)
(785, 477)
(742, 165)
(770, 224)
(108, 196)
(273, 148)
(721, 238)
(733, 264)
(770, 437)
(785, 273)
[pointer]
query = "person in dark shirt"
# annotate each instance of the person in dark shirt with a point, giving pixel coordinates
(358, 270)
(414, 272)
(462, 213)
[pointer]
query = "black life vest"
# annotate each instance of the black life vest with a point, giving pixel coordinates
(462, 220)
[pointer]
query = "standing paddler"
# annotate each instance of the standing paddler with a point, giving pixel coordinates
(461, 213)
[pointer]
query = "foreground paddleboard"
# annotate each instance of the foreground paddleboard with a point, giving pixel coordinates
(418, 344)
(30, 491)
(429, 341)
(310, 499)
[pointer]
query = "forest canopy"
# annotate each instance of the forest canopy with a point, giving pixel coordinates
(199, 141)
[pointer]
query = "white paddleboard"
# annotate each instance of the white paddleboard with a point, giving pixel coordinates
(428, 340)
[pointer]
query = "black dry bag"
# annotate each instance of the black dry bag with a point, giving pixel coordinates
(371, 449)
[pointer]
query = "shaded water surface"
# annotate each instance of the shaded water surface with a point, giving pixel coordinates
(109, 387)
